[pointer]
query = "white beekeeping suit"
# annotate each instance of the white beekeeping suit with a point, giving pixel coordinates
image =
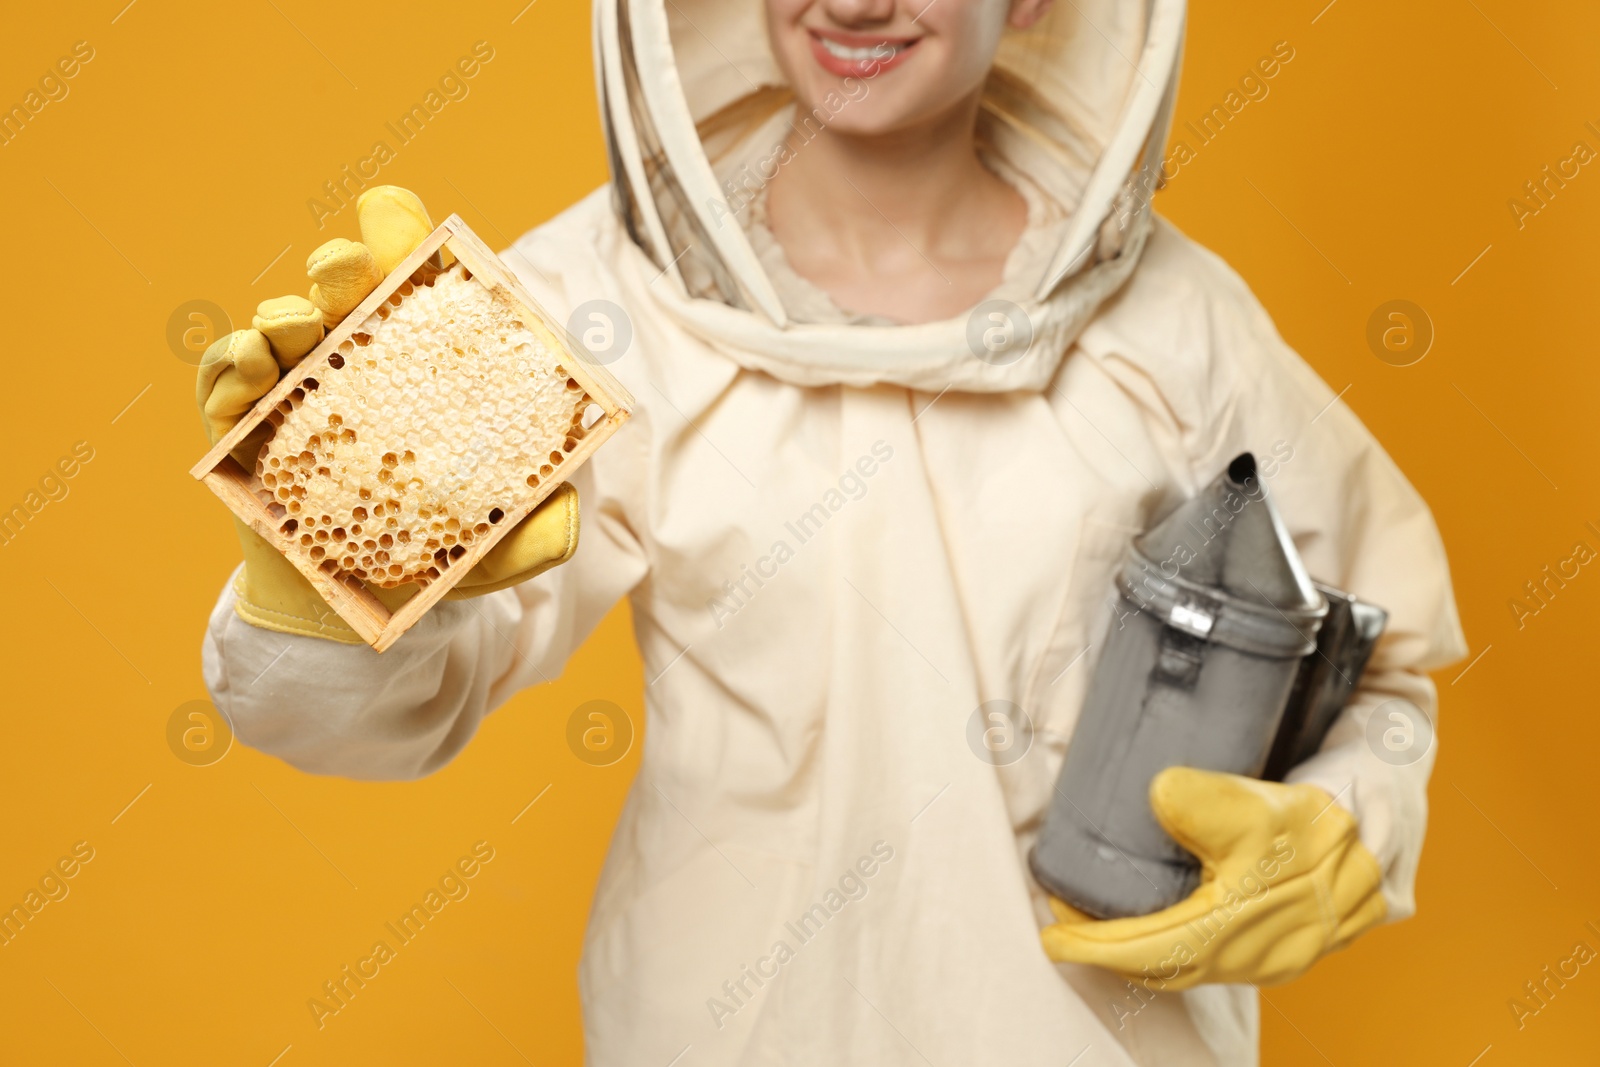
(840, 537)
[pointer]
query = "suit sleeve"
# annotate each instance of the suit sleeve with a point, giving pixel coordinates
(1359, 525)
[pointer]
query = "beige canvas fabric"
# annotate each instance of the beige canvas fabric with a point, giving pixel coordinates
(839, 540)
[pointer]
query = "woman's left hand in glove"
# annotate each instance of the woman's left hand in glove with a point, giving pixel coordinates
(1284, 881)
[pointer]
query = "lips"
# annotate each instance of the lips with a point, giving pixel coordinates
(853, 55)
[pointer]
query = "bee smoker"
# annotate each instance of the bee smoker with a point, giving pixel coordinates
(1215, 662)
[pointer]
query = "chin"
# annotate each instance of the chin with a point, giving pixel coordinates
(877, 99)
(856, 118)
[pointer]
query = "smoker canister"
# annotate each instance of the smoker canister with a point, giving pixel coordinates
(1215, 613)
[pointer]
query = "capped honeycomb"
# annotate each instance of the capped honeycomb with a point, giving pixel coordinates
(439, 415)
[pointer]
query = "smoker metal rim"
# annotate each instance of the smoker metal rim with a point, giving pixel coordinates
(1239, 624)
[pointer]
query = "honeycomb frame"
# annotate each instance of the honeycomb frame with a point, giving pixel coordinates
(251, 500)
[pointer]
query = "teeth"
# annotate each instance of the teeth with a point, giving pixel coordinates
(882, 50)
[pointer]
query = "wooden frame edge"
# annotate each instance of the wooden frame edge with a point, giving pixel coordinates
(601, 385)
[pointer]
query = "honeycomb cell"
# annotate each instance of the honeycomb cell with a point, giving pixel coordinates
(452, 415)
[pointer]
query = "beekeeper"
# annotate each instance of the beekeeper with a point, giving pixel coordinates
(914, 359)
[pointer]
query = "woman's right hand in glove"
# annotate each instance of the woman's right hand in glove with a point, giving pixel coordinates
(241, 368)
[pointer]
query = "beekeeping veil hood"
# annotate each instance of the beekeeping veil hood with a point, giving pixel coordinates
(1080, 104)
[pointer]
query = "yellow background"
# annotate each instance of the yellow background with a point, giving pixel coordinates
(1378, 168)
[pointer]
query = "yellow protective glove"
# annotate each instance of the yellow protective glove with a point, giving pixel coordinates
(1284, 881)
(241, 368)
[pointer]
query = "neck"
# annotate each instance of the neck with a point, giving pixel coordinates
(867, 191)
(910, 226)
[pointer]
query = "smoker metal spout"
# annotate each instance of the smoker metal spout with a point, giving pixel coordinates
(1229, 537)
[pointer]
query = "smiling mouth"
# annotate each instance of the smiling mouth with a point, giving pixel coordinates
(882, 51)
(859, 55)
